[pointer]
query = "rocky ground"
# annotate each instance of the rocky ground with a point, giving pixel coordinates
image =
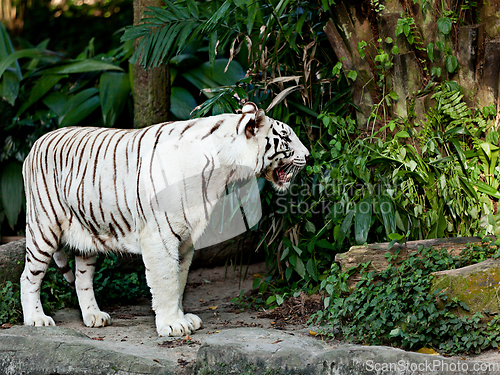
(232, 341)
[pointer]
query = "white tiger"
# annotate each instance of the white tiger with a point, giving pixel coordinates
(96, 190)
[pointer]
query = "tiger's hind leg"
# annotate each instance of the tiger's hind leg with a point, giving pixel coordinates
(92, 315)
(186, 252)
(39, 251)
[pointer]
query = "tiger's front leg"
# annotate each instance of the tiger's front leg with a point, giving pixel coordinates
(161, 260)
(92, 315)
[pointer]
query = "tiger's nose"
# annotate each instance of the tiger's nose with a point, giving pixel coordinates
(308, 159)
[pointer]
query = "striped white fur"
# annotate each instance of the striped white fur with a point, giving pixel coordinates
(98, 190)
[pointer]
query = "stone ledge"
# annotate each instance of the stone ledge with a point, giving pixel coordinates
(261, 352)
(249, 351)
(64, 351)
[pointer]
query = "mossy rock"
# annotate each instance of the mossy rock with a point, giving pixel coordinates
(12, 261)
(477, 285)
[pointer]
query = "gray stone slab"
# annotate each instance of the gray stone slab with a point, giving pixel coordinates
(57, 350)
(258, 351)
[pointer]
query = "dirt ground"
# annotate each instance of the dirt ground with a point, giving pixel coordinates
(208, 294)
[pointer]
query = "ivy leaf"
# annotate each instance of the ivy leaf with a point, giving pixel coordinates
(393, 95)
(451, 63)
(444, 25)
(430, 51)
(435, 71)
(310, 227)
(352, 75)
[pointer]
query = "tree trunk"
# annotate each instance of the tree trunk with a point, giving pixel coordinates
(151, 88)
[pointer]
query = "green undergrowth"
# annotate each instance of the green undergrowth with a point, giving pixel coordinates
(395, 307)
(112, 285)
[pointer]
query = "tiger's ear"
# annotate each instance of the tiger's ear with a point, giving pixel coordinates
(249, 108)
(255, 124)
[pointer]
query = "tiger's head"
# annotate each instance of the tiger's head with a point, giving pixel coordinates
(283, 154)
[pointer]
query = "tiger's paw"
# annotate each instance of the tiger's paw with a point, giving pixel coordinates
(40, 320)
(177, 327)
(195, 320)
(96, 319)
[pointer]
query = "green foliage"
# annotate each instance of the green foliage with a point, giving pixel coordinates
(297, 73)
(395, 307)
(191, 76)
(114, 285)
(71, 24)
(379, 188)
(111, 285)
(10, 303)
(406, 26)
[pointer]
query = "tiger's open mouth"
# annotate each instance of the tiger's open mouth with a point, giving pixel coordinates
(282, 175)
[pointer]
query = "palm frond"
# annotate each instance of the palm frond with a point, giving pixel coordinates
(166, 31)
(163, 32)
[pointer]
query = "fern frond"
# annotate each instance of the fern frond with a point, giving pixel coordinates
(451, 103)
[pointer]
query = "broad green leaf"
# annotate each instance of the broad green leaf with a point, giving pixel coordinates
(362, 220)
(444, 25)
(386, 209)
(344, 228)
(402, 134)
(487, 189)
(182, 103)
(81, 67)
(396, 236)
(41, 87)
(200, 80)
(310, 227)
(297, 249)
(9, 86)
(285, 253)
(56, 101)
(466, 185)
(435, 71)
(6, 49)
(393, 95)
(311, 269)
(352, 75)
(114, 89)
(270, 300)
(78, 107)
(325, 244)
(12, 191)
(222, 76)
(489, 157)
(299, 267)
(6, 62)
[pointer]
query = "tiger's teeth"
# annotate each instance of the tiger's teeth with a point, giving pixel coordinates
(289, 176)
